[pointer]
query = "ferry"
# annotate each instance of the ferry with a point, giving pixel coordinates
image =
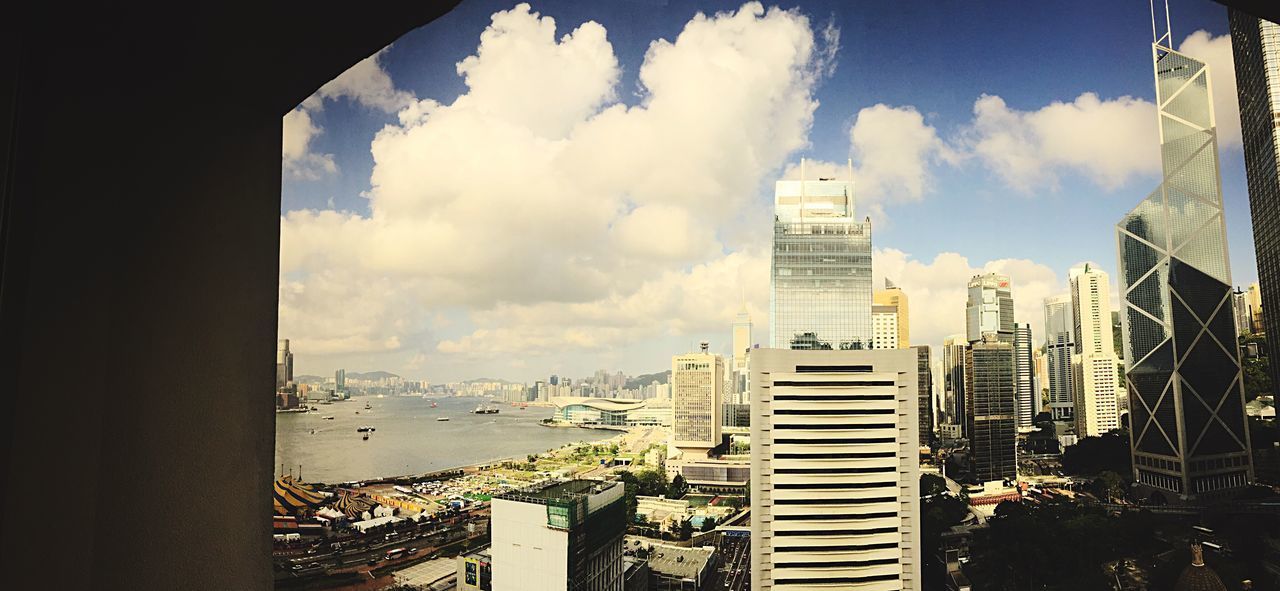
(367, 407)
(442, 418)
(365, 429)
(485, 409)
(329, 418)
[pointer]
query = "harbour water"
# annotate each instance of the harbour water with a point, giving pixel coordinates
(408, 439)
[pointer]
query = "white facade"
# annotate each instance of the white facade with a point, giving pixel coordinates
(834, 471)
(893, 296)
(884, 327)
(697, 393)
(527, 555)
(1095, 365)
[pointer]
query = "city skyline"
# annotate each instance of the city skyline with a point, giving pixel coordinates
(370, 278)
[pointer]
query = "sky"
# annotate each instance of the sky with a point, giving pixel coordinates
(517, 190)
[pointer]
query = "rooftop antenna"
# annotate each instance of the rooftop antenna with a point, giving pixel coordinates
(1156, 38)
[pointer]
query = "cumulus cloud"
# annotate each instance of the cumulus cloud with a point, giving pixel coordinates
(568, 220)
(366, 83)
(1216, 53)
(893, 152)
(297, 159)
(937, 290)
(1105, 141)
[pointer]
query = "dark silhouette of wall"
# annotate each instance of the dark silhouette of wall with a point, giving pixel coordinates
(139, 232)
(140, 163)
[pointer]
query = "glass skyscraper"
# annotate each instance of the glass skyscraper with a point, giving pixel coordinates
(1186, 398)
(1059, 344)
(1255, 44)
(821, 268)
(989, 308)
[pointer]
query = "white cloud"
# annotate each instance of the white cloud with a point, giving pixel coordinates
(1216, 53)
(937, 290)
(1105, 141)
(567, 220)
(296, 157)
(894, 148)
(368, 84)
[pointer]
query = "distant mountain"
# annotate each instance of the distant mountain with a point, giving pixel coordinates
(370, 375)
(309, 379)
(499, 380)
(646, 379)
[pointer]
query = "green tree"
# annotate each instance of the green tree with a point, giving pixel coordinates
(708, 524)
(1092, 455)
(652, 482)
(678, 488)
(1107, 486)
(686, 530)
(631, 487)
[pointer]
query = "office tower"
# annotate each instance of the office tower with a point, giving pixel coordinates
(821, 267)
(1186, 398)
(953, 379)
(741, 344)
(990, 387)
(555, 380)
(1244, 316)
(1042, 379)
(697, 393)
(1059, 345)
(1024, 376)
(1255, 44)
(834, 470)
(563, 536)
(884, 327)
(1253, 296)
(340, 380)
(284, 364)
(893, 296)
(924, 384)
(989, 308)
(1094, 362)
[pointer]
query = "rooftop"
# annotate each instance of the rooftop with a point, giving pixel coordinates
(680, 563)
(566, 489)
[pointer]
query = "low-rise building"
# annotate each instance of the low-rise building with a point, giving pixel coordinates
(612, 412)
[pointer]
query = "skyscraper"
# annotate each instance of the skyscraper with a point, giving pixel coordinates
(741, 343)
(990, 392)
(1253, 296)
(821, 267)
(1244, 316)
(562, 536)
(884, 327)
(1094, 363)
(1059, 345)
(834, 470)
(894, 297)
(284, 364)
(989, 308)
(1255, 44)
(697, 393)
(953, 380)
(1024, 376)
(924, 385)
(1186, 398)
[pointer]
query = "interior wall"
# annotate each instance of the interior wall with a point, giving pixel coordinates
(139, 293)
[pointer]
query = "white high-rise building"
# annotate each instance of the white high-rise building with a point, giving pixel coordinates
(989, 308)
(561, 536)
(835, 470)
(1095, 363)
(697, 393)
(284, 364)
(1059, 346)
(884, 327)
(1024, 376)
(953, 381)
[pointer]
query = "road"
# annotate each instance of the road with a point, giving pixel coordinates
(734, 572)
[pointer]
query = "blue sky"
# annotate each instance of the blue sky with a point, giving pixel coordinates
(927, 63)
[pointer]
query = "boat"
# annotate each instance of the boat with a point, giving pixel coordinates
(433, 404)
(442, 418)
(485, 409)
(328, 418)
(365, 429)
(367, 407)
(366, 437)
